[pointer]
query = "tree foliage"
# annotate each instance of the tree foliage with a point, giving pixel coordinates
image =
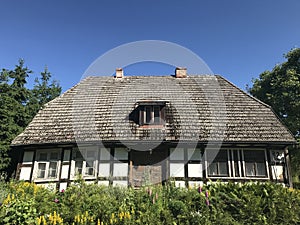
(18, 104)
(280, 88)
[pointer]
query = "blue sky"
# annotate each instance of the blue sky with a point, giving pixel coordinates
(237, 39)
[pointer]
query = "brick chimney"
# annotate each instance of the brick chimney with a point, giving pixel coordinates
(119, 73)
(180, 72)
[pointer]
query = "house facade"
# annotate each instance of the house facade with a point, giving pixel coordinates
(139, 130)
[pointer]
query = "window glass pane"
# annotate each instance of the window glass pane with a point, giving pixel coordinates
(254, 156)
(52, 169)
(194, 154)
(91, 154)
(43, 156)
(213, 169)
(78, 167)
(41, 170)
(148, 112)
(236, 164)
(156, 114)
(221, 156)
(121, 154)
(255, 163)
(77, 155)
(104, 154)
(261, 169)
(176, 154)
(53, 155)
(89, 168)
(28, 157)
(67, 154)
(250, 169)
(236, 169)
(223, 169)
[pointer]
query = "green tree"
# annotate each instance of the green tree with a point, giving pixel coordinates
(14, 96)
(18, 104)
(280, 88)
(43, 91)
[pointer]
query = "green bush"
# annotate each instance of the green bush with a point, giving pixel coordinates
(218, 203)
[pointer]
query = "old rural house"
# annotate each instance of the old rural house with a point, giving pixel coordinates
(135, 130)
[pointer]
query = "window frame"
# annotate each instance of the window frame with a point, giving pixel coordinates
(84, 159)
(236, 165)
(255, 164)
(47, 161)
(217, 162)
(151, 114)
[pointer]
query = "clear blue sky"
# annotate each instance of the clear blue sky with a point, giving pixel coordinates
(237, 39)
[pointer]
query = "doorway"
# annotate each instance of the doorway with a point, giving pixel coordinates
(148, 167)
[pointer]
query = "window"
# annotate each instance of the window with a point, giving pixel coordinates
(151, 113)
(255, 165)
(238, 163)
(47, 164)
(219, 166)
(85, 162)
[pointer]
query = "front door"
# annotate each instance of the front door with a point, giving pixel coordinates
(147, 167)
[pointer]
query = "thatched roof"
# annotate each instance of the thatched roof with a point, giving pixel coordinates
(201, 108)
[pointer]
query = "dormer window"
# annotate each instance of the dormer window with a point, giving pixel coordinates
(151, 113)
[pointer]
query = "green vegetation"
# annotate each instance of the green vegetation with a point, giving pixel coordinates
(81, 203)
(280, 88)
(18, 104)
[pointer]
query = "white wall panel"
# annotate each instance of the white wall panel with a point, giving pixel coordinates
(104, 170)
(25, 173)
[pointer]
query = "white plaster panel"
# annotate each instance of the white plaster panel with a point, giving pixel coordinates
(120, 183)
(25, 173)
(180, 184)
(104, 170)
(277, 172)
(63, 186)
(195, 170)
(177, 169)
(65, 171)
(195, 184)
(49, 186)
(103, 182)
(120, 169)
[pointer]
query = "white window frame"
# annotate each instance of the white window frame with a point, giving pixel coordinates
(228, 165)
(241, 165)
(85, 159)
(255, 176)
(151, 114)
(47, 161)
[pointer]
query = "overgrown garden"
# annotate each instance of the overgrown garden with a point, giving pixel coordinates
(81, 203)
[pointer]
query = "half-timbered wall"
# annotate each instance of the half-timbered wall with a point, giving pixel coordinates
(114, 166)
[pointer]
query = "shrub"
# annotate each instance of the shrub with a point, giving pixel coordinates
(218, 203)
